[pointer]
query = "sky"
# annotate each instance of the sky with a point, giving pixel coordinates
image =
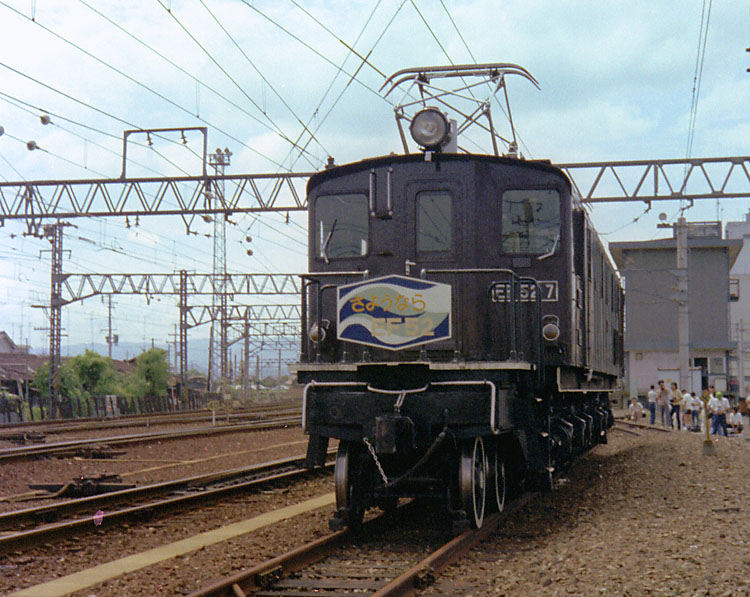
(618, 82)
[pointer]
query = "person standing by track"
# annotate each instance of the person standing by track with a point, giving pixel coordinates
(663, 401)
(687, 407)
(718, 406)
(675, 400)
(695, 412)
(652, 395)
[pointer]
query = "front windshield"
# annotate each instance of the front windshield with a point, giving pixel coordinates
(531, 221)
(341, 226)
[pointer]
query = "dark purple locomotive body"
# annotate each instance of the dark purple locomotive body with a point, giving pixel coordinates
(462, 330)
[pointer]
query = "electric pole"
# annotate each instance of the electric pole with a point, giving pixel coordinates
(683, 308)
(111, 339)
(54, 233)
(218, 360)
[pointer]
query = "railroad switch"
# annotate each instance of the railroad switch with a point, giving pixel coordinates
(265, 580)
(102, 452)
(424, 578)
(85, 486)
(26, 438)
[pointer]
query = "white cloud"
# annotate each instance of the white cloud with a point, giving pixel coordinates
(616, 84)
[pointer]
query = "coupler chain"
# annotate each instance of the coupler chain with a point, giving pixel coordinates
(374, 455)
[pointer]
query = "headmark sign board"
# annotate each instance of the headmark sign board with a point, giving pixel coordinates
(394, 312)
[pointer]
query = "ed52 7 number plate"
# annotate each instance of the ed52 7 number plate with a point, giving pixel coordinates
(526, 290)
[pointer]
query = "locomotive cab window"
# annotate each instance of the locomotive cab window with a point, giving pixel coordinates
(341, 226)
(434, 221)
(531, 221)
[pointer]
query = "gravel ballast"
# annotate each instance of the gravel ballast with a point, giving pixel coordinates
(642, 515)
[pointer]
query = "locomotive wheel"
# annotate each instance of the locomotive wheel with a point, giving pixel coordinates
(498, 479)
(472, 480)
(349, 484)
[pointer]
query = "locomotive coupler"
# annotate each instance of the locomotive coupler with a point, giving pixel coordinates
(393, 433)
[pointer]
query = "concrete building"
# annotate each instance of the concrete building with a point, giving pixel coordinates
(649, 269)
(740, 310)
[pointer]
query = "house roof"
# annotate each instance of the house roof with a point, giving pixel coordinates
(733, 247)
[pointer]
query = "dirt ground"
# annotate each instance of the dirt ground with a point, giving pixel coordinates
(643, 515)
(646, 514)
(153, 462)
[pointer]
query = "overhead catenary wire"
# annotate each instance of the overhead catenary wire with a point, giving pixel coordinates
(697, 79)
(142, 85)
(274, 127)
(267, 82)
(82, 103)
(201, 82)
(363, 62)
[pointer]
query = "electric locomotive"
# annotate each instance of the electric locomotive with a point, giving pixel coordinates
(462, 323)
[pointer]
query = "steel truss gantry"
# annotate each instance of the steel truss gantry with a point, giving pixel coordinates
(185, 196)
(76, 287)
(284, 320)
(597, 182)
(200, 315)
(645, 181)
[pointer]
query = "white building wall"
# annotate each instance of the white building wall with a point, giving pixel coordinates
(739, 311)
(644, 369)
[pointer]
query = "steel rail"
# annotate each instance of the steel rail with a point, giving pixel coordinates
(8, 454)
(286, 469)
(98, 423)
(641, 426)
(419, 576)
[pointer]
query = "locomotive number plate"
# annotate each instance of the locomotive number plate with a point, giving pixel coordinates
(501, 291)
(393, 312)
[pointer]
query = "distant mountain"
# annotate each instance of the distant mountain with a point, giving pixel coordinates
(197, 355)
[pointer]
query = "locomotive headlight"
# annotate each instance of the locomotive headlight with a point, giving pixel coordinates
(317, 334)
(430, 128)
(551, 331)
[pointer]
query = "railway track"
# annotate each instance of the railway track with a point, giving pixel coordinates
(65, 447)
(642, 426)
(36, 525)
(12, 430)
(395, 554)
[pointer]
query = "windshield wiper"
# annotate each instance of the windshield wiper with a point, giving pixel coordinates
(552, 251)
(324, 248)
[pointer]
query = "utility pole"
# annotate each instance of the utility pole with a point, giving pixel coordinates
(683, 308)
(257, 376)
(183, 330)
(175, 348)
(742, 388)
(246, 360)
(111, 339)
(218, 358)
(54, 233)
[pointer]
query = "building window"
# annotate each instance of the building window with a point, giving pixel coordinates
(717, 366)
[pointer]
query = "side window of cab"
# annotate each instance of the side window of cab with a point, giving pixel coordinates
(530, 221)
(341, 226)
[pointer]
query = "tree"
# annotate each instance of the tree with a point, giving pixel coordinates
(70, 386)
(96, 373)
(152, 368)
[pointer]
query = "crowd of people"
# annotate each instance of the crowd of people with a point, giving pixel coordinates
(686, 410)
